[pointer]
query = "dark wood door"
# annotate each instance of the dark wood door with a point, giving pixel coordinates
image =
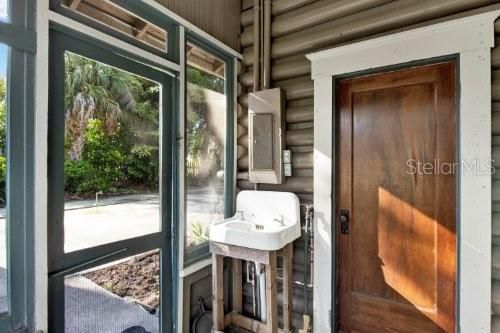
(397, 262)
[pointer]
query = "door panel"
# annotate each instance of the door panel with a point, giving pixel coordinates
(109, 116)
(397, 264)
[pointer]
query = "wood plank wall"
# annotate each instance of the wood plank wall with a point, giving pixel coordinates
(219, 18)
(303, 26)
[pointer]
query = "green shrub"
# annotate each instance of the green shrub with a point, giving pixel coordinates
(101, 165)
(143, 166)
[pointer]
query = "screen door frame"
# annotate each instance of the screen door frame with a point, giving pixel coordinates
(61, 264)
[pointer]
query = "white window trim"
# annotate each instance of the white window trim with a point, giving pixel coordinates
(471, 38)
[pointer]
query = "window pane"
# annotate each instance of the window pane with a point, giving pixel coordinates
(114, 297)
(111, 165)
(117, 18)
(205, 140)
(4, 10)
(4, 53)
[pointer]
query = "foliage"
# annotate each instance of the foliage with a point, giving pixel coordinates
(143, 165)
(100, 168)
(93, 90)
(200, 234)
(205, 80)
(112, 129)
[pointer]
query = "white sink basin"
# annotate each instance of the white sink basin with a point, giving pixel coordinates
(264, 221)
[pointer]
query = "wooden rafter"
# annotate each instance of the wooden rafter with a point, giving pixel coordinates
(142, 28)
(219, 68)
(189, 49)
(73, 4)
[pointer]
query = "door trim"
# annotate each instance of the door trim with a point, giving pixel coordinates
(470, 39)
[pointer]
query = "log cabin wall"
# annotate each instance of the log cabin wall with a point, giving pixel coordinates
(303, 26)
(219, 18)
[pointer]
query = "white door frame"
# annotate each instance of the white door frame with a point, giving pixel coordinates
(471, 39)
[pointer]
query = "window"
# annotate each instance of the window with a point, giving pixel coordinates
(206, 147)
(111, 157)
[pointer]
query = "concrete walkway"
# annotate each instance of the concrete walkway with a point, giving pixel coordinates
(114, 219)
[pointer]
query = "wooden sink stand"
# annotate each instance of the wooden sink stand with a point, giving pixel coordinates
(267, 258)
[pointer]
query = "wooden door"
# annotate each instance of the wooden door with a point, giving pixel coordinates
(397, 260)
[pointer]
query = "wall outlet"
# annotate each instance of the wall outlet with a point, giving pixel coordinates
(287, 170)
(287, 156)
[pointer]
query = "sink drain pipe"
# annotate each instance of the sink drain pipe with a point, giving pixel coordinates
(261, 275)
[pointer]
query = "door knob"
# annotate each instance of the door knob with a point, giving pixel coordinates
(344, 222)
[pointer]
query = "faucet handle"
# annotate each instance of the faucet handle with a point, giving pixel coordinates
(242, 214)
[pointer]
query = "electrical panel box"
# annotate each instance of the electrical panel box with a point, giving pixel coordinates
(266, 136)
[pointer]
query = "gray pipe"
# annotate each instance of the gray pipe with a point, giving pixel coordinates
(267, 45)
(261, 275)
(256, 49)
(307, 254)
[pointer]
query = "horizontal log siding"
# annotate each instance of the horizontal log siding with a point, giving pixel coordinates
(303, 26)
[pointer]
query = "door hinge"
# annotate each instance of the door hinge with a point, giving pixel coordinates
(330, 317)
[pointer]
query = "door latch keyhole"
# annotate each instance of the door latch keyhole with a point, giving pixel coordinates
(344, 222)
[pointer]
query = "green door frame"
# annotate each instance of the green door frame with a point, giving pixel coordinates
(61, 264)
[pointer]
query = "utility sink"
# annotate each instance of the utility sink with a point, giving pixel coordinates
(264, 220)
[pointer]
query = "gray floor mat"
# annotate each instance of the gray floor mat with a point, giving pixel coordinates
(92, 309)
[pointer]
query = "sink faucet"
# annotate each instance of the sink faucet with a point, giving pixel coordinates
(281, 221)
(242, 214)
